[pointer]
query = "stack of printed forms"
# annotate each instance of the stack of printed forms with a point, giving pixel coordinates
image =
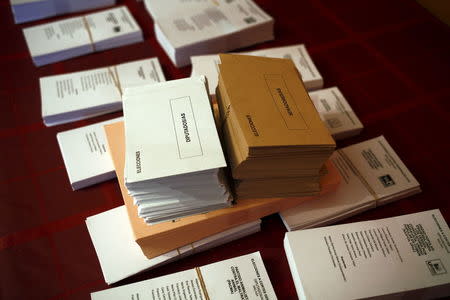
(174, 159)
(208, 65)
(32, 10)
(88, 160)
(121, 257)
(336, 113)
(276, 142)
(86, 155)
(243, 277)
(72, 37)
(403, 257)
(187, 28)
(81, 95)
(373, 175)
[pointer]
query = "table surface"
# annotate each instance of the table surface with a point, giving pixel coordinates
(391, 60)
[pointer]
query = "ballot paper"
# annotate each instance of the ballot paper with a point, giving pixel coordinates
(85, 154)
(372, 175)
(405, 257)
(72, 37)
(208, 65)
(32, 10)
(187, 28)
(81, 95)
(243, 277)
(336, 113)
(173, 156)
(121, 257)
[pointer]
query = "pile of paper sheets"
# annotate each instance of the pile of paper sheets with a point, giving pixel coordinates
(187, 28)
(85, 154)
(243, 277)
(404, 257)
(174, 159)
(31, 10)
(72, 37)
(87, 164)
(120, 256)
(208, 65)
(373, 175)
(164, 237)
(81, 95)
(336, 113)
(276, 142)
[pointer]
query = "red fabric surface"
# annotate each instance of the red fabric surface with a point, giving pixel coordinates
(391, 59)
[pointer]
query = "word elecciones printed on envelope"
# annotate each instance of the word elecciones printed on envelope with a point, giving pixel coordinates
(72, 37)
(176, 170)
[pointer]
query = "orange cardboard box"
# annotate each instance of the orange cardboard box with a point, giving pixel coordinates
(161, 238)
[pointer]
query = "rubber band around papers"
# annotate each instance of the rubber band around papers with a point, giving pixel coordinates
(115, 77)
(359, 175)
(202, 283)
(88, 29)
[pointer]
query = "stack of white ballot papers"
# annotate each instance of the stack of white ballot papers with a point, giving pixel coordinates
(81, 95)
(187, 28)
(173, 159)
(121, 257)
(208, 65)
(372, 175)
(243, 277)
(336, 113)
(31, 10)
(86, 155)
(72, 37)
(405, 257)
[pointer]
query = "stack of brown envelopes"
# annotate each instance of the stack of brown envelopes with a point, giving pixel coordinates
(276, 142)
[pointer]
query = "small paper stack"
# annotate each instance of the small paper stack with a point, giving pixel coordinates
(81, 95)
(174, 159)
(85, 154)
(121, 257)
(61, 40)
(31, 10)
(243, 277)
(187, 28)
(404, 257)
(277, 144)
(208, 65)
(336, 113)
(372, 174)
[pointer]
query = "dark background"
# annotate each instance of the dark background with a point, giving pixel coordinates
(391, 60)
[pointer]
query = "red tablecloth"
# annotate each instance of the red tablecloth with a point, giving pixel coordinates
(391, 59)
